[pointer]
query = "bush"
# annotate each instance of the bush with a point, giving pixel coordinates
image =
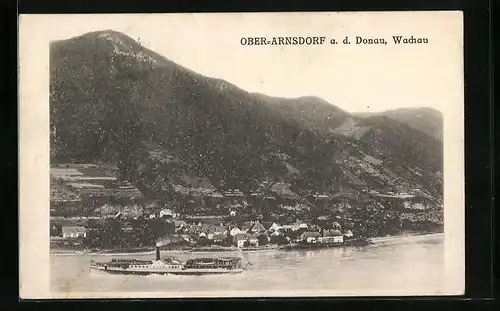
(278, 239)
(262, 239)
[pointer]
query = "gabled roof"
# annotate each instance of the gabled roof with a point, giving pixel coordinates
(247, 225)
(257, 226)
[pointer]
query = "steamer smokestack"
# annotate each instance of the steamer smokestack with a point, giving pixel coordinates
(158, 251)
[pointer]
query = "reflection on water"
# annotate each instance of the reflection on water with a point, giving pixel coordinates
(412, 263)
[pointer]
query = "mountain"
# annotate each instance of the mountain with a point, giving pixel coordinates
(170, 130)
(312, 112)
(427, 120)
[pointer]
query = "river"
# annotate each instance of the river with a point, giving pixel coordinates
(395, 265)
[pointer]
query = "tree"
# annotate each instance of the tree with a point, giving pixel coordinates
(56, 230)
(203, 241)
(278, 239)
(111, 234)
(262, 239)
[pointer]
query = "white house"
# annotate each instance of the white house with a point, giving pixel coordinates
(167, 212)
(241, 238)
(74, 232)
(332, 236)
(253, 240)
(332, 239)
(257, 228)
(274, 227)
(310, 237)
(234, 231)
(348, 233)
(299, 225)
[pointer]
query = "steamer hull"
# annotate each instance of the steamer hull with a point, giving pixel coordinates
(129, 271)
(197, 266)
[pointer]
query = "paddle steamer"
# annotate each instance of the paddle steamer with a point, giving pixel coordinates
(196, 266)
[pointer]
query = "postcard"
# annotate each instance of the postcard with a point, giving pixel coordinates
(241, 155)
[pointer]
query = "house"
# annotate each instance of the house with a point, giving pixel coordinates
(348, 234)
(318, 196)
(253, 240)
(216, 229)
(257, 228)
(215, 195)
(187, 238)
(195, 229)
(219, 237)
(234, 231)
(288, 227)
(73, 232)
(180, 225)
(240, 239)
(166, 212)
(212, 230)
(303, 225)
(310, 237)
(276, 233)
(299, 225)
(332, 237)
(246, 226)
(275, 227)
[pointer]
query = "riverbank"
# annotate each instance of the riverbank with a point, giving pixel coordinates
(224, 249)
(312, 246)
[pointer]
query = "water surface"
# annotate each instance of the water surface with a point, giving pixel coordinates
(396, 265)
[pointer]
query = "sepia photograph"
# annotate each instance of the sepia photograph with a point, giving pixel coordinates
(241, 155)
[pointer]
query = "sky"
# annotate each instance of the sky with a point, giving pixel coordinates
(357, 78)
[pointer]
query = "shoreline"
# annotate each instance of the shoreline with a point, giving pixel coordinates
(216, 249)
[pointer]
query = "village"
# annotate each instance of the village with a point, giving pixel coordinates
(178, 234)
(92, 211)
(242, 225)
